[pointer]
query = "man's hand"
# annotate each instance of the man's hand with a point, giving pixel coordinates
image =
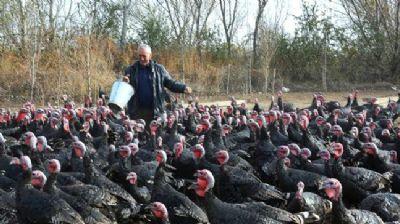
(188, 90)
(125, 79)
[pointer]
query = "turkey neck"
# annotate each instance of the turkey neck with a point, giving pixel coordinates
(88, 168)
(24, 180)
(50, 187)
(338, 168)
(339, 211)
(160, 178)
(282, 173)
(210, 202)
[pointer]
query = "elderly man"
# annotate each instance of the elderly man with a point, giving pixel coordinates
(149, 79)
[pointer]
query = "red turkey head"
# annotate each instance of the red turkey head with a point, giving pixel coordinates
(205, 125)
(371, 149)
(22, 114)
(197, 116)
(134, 148)
(360, 118)
(159, 210)
(320, 121)
(170, 120)
(38, 179)
(25, 163)
(293, 115)
(41, 143)
(198, 151)
(53, 166)
(336, 112)
(286, 119)
(261, 121)
(373, 126)
(54, 122)
(354, 132)
(161, 156)
(205, 182)
(337, 130)
(226, 129)
(40, 115)
(300, 189)
(205, 116)
(254, 115)
(222, 157)
(66, 124)
(139, 128)
(153, 127)
(132, 178)
(254, 125)
(124, 151)
(377, 110)
(178, 149)
(229, 109)
(140, 121)
(272, 116)
(79, 149)
(128, 137)
(283, 152)
(367, 132)
(386, 133)
(294, 149)
(325, 155)
(199, 128)
(303, 122)
(332, 188)
(337, 149)
(305, 153)
(30, 140)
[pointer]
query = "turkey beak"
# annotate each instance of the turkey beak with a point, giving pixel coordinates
(193, 186)
(323, 186)
(148, 207)
(196, 174)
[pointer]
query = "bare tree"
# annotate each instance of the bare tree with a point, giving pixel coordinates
(125, 10)
(260, 11)
(229, 14)
(377, 24)
(180, 18)
(201, 12)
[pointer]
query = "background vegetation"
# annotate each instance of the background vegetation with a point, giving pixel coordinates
(52, 47)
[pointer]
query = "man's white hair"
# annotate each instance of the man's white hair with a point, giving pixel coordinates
(145, 47)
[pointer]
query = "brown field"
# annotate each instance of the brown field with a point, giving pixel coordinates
(301, 99)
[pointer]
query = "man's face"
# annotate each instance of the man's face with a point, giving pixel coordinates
(144, 56)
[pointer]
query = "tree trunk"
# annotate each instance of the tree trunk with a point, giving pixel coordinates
(261, 7)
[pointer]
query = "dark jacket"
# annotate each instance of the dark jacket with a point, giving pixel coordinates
(161, 79)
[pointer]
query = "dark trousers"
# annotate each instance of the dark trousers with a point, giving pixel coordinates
(145, 114)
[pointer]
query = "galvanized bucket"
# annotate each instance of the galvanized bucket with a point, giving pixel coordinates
(120, 94)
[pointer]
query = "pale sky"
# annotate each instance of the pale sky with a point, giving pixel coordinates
(290, 8)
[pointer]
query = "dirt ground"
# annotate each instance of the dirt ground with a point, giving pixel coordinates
(301, 99)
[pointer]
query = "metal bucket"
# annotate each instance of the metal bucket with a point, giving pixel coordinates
(120, 94)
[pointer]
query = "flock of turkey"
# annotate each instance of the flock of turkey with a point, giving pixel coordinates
(202, 164)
